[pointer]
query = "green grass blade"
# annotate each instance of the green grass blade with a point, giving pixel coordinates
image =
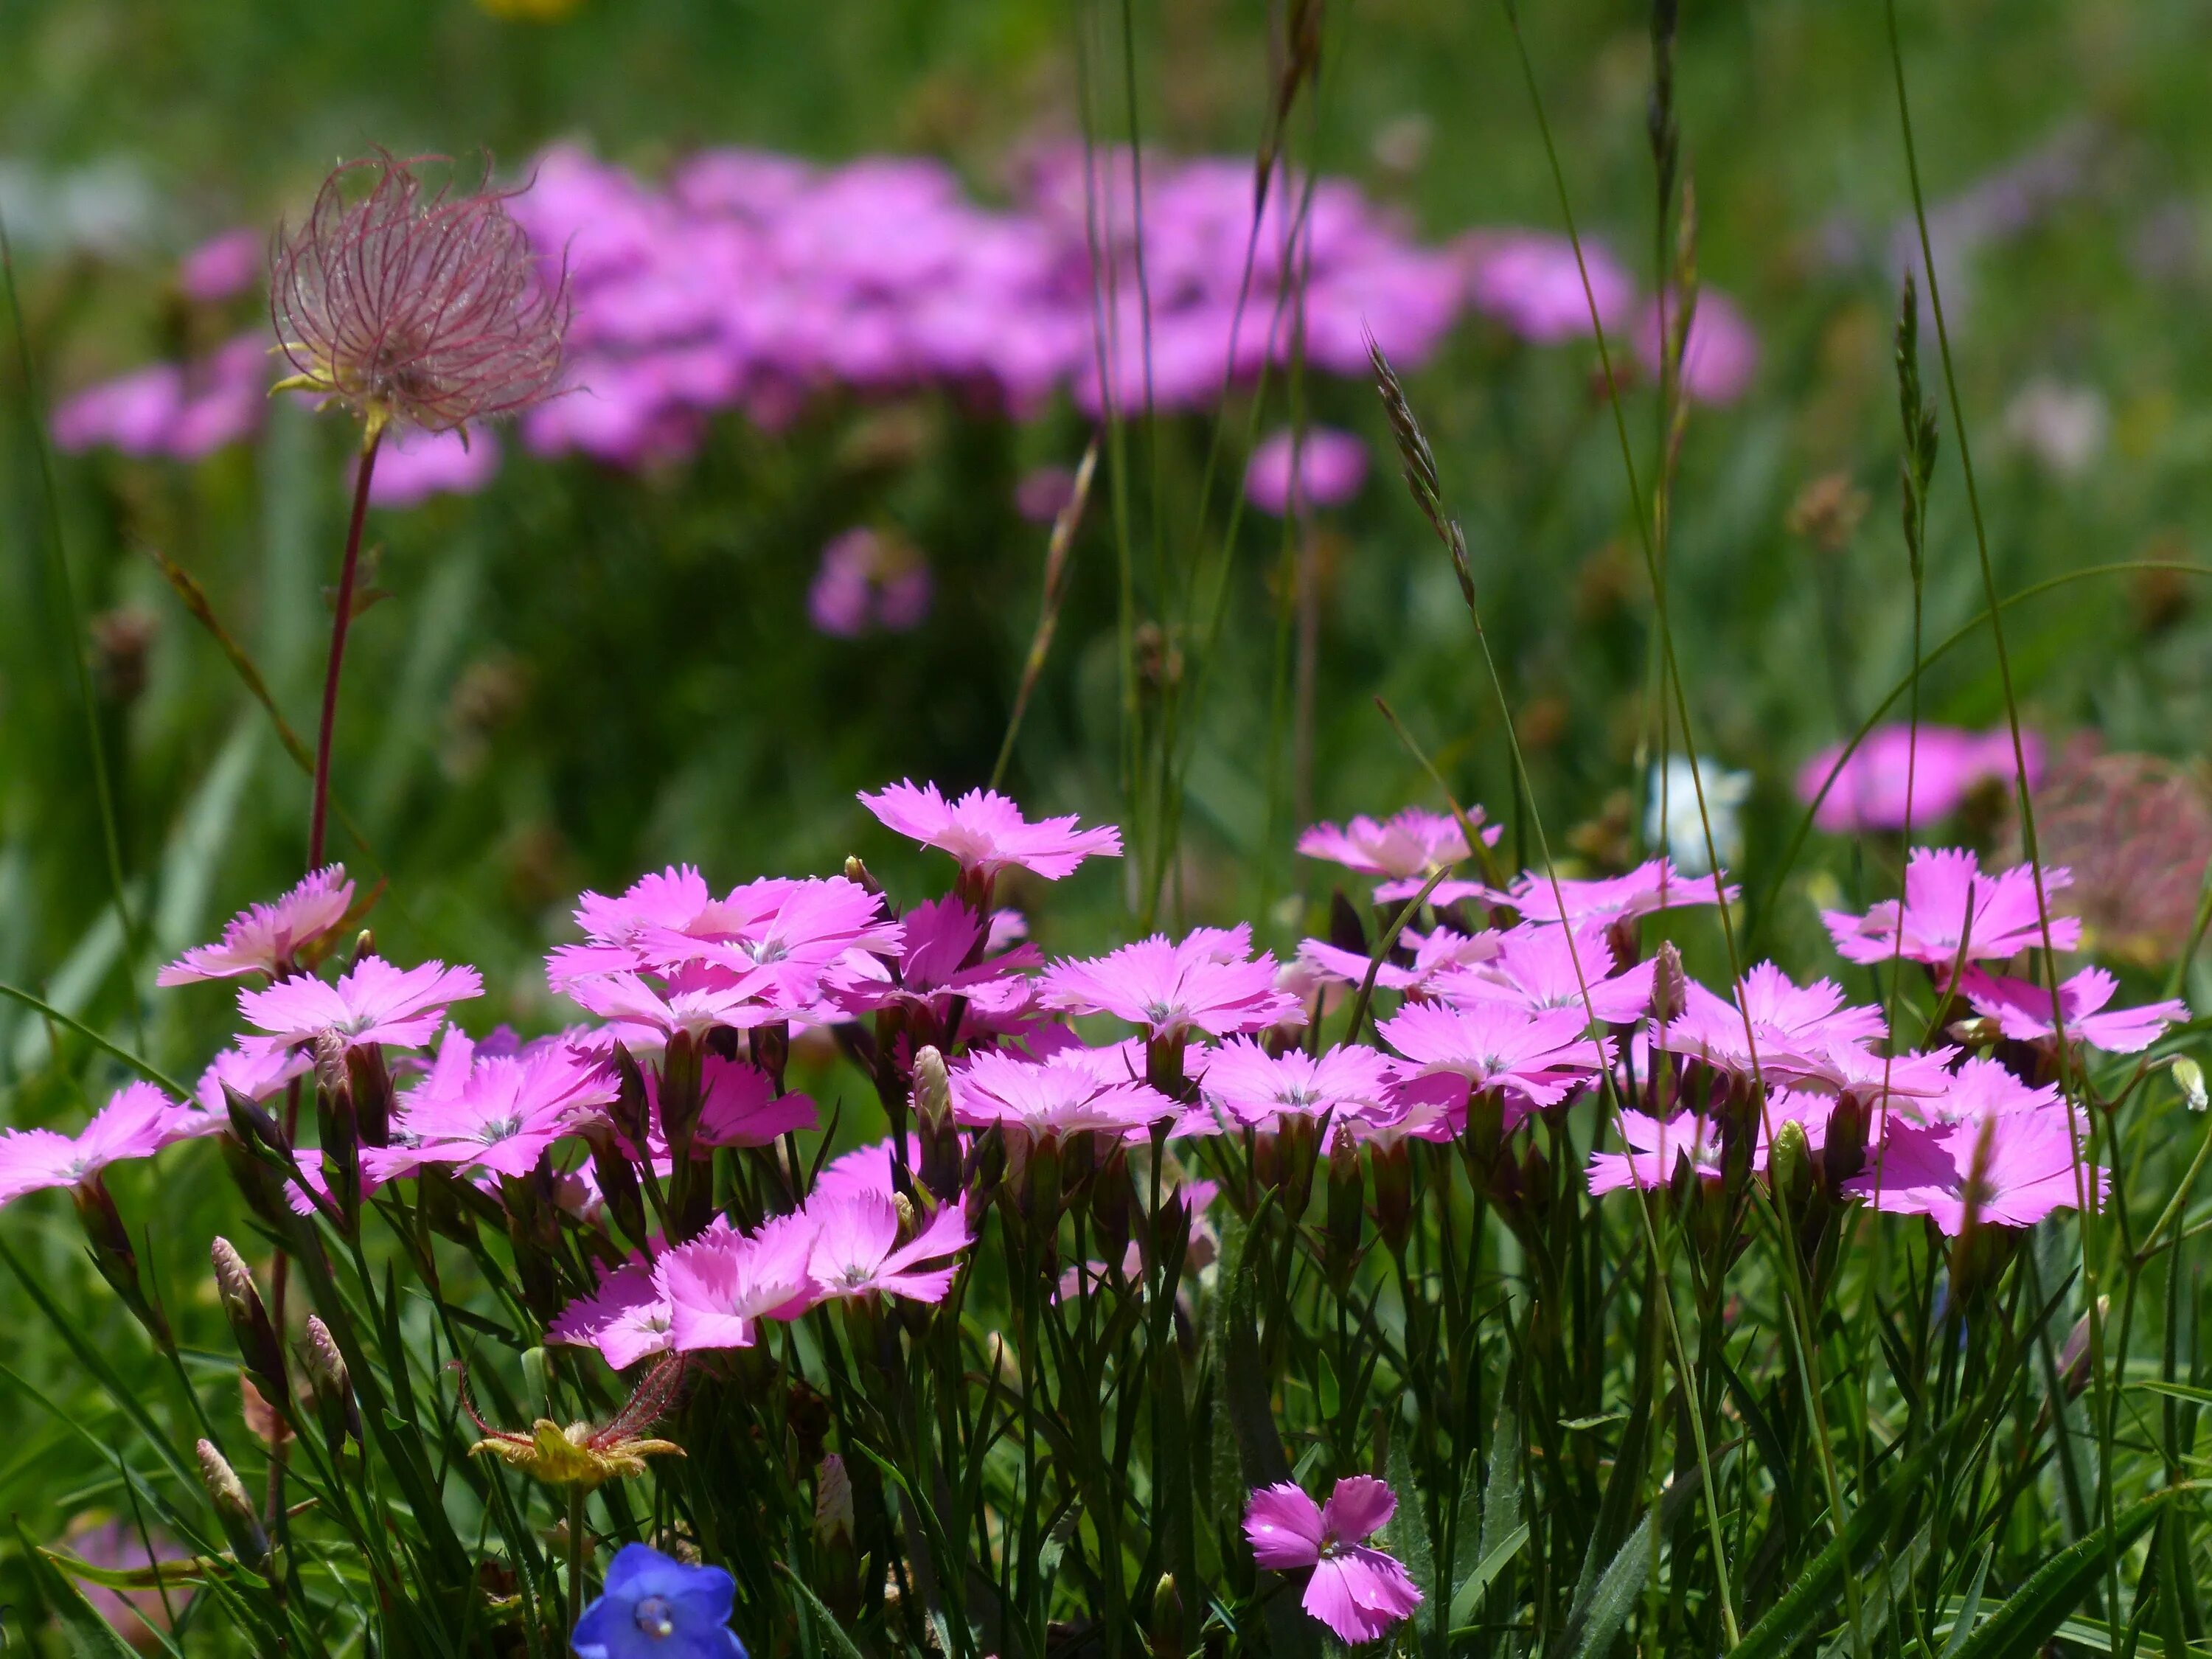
(2032, 1614)
(88, 1635)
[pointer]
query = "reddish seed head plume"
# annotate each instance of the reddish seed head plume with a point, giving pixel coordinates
(407, 303)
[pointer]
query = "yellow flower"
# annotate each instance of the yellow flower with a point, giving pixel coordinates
(582, 1455)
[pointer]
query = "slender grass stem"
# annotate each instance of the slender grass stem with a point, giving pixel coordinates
(58, 556)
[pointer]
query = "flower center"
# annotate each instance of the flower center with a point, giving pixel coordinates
(654, 1619)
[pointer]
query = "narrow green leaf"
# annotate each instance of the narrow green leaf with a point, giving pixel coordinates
(1469, 1596)
(1792, 1619)
(1972, 1606)
(1595, 1622)
(2032, 1614)
(90, 1635)
(839, 1643)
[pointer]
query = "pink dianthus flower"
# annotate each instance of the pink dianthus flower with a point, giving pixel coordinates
(1949, 902)
(1256, 1087)
(1611, 900)
(627, 1318)
(373, 1003)
(2009, 1172)
(857, 1251)
(986, 832)
(1067, 1092)
(267, 938)
(1201, 983)
(1539, 1057)
(134, 1123)
(1358, 1592)
(2022, 1011)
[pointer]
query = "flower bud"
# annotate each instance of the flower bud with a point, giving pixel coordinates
(680, 1096)
(254, 1126)
(1295, 1147)
(332, 1386)
(371, 1083)
(833, 1502)
(1392, 1167)
(857, 873)
(1341, 1252)
(1670, 991)
(2189, 1078)
(940, 1136)
(617, 1179)
(109, 1241)
(249, 1322)
(1164, 1631)
(233, 1508)
(1842, 1151)
(1790, 1165)
(772, 1051)
(628, 1109)
(1112, 1196)
(2073, 1358)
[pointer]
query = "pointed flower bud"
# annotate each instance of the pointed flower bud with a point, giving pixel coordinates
(407, 303)
(933, 1089)
(2189, 1078)
(1346, 1189)
(1669, 984)
(333, 1388)
(249, 1321)
(833, 1502)
(233, 1507)
(2073, 1358)
(1790, 1165)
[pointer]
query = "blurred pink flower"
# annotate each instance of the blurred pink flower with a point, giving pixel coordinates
(1358, 1592)
(1720, 355)
(267, 938)
(1042, 493)
(414, 465)
(135, 1614)
(1530, 281)
(1406, 846)
(1947, 764)
(868, 580)
(1331, 466)
(224, 266)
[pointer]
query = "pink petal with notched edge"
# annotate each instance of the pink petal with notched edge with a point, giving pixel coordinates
(1284, 1526)
(1358, 1507)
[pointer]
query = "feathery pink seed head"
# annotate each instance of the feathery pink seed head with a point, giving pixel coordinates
(411, 303)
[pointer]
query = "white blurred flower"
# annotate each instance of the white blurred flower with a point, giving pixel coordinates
(1673, 824)
(2063, 427)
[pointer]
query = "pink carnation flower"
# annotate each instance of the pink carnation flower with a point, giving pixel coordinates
(1538, 967)
(1331, 465)
(1202, 983)
(1868, 789)
(1407, 846)
(1655, 1149)
(1790, 1027)
(1948, 902)
(945, 951)
(627, 1319)
(1539, 1057)
(1983, 1088)
(502, 1116)
(986, 831)
(1615, 899)
(414, 465)
(1530, 280)
(738, 1106)
(864, 1170)
(1438, 955)
(1067, 1092)
(135, 1123)
(267, 938)
(224, 266)
(1254, 1087)
(2012, 1171)
(375, 1003)
(857, 1250)
(721, 1285)
(1358, 1592)
(2021, 1009)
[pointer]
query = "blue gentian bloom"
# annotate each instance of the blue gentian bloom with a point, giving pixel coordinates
(655, 1608)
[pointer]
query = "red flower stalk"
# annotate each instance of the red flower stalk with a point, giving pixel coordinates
(414, 304)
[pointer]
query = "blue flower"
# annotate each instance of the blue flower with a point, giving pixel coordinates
(654, 1607)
